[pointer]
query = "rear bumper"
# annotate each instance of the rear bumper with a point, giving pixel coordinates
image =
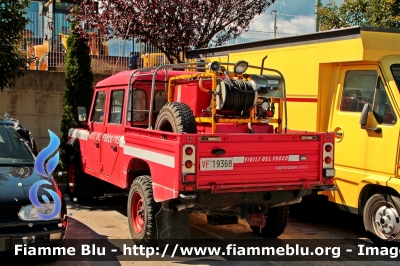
(270, 187)
(201, 200)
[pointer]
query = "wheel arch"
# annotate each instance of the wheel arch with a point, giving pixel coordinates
(136, 167)
(370, 189)
(73, 148)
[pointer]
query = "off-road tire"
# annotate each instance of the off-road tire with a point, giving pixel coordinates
(81, 187)
(276, 222)
(142, 225)
(74, 179)
(389, 206)
(176, 117)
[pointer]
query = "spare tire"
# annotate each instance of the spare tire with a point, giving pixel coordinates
(176, 117)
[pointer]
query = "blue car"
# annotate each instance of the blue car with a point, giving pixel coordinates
(20, 221)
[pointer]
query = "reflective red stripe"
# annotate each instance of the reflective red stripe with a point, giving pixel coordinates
(309, 100)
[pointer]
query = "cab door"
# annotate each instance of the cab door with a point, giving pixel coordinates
(359, 153)
(96, 123)
(112, 132)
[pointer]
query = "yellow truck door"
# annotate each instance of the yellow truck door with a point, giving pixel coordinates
(362, 156)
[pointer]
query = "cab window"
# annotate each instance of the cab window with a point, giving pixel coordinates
(116, 107)
(98, 110)
(359, 86)
(139, 108)
(160, 99)
(382, 106)
(396, 74)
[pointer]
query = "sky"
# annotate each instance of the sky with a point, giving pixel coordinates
(293, 16)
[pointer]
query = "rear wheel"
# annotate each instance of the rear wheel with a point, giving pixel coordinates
(382, 217)
(276, 222)
(142, 210)
(176, 117)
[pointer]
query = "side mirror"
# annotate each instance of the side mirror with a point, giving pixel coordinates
(82, 117)
(364, 118)
(364, 115)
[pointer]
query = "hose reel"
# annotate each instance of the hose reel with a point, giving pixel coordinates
(235, 95)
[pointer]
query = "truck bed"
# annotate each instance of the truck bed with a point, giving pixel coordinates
(248, 162)
(259, 160)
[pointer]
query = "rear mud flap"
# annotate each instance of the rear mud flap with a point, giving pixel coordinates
(172, 225)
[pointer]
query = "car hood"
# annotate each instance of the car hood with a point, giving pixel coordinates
(15, 182)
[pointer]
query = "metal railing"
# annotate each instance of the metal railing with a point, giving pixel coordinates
(45, 38)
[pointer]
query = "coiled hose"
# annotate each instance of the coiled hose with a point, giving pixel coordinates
(240, 95)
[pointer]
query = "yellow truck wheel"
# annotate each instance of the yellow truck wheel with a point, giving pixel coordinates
(382, 217)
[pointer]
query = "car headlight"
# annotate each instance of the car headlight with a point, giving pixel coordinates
(29, 212)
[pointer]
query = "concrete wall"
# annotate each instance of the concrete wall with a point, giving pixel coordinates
(36, 101)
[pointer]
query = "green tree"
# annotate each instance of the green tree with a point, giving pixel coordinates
(12, 25)
(78, 82)
(367, 13)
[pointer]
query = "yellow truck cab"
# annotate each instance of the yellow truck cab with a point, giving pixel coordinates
(346, 81)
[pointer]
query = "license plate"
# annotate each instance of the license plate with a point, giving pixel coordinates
(3, 241)
(208, 164)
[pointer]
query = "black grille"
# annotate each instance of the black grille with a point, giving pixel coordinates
(9, 212)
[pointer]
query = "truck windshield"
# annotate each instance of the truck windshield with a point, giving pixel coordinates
(396, 74)
(12, 149)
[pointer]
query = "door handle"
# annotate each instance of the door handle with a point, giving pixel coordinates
(114, 148)
(339, 134)
(97, 144)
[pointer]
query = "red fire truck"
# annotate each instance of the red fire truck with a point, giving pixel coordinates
(202, 138)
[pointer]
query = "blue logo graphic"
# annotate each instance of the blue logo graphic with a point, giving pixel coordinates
(50, 166)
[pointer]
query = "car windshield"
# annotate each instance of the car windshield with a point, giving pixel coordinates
(12, 149)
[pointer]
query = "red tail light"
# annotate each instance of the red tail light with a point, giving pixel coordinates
(328, 160)
(188, 164)
(189, 151)
(328, 148)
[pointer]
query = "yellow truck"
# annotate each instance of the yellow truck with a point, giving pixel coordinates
(345, 81)
(150, 60)
(153, 60)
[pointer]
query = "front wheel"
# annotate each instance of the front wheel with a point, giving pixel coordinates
(381, 217)
(81, 187)
(74, 176)
(142, 210)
